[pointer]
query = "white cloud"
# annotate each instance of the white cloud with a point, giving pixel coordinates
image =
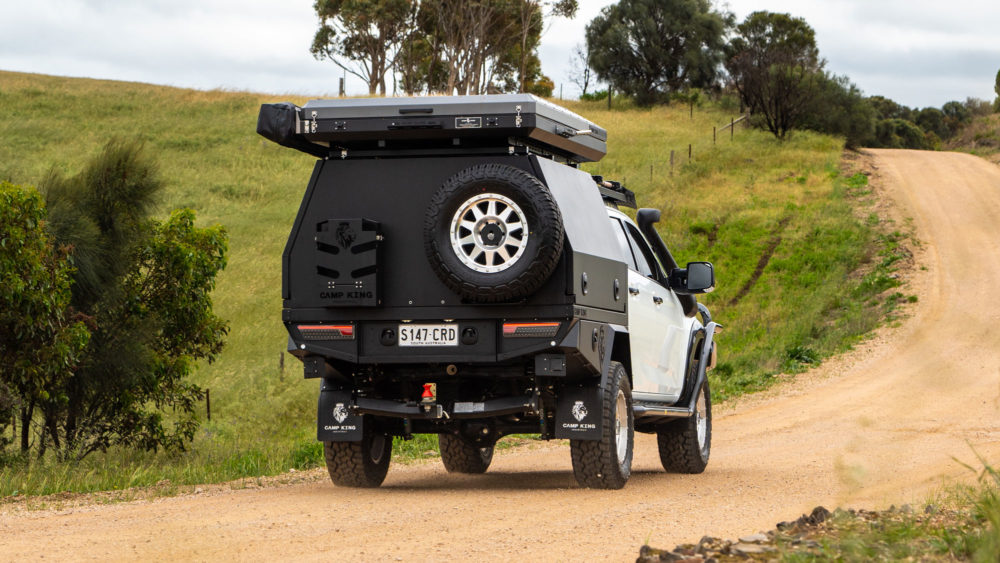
(920, 53)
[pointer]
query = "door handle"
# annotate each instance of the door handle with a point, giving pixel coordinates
(658, 300)
(633, 290)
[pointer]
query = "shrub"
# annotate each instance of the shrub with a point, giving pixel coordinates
(146, 287)
(542, 87)
(594, 96)
(978, 107)
(40, 338)
(889, 109)
(932, 120)
(839, 108)
(899, 134)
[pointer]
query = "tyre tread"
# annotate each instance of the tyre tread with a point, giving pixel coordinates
(350, 465)
(677, 442)
(595, 462)
(459, 456)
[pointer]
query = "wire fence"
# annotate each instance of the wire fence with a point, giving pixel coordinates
(716, 131)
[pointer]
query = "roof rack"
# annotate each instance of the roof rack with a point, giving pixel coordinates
(615, 193)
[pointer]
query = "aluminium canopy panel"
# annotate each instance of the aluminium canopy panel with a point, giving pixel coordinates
(454, 121)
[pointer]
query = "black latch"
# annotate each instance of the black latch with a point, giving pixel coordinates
(550, 364)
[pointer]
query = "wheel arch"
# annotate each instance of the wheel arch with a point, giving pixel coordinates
(699, 357)
(621, 352)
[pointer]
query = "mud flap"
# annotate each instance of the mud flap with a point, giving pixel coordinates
(335, 421)
(578, 412)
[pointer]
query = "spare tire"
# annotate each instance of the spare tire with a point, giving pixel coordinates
(493, 233)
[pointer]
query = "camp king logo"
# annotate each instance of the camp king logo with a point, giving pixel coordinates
(579, 411)
(340, 413)
(345, 235)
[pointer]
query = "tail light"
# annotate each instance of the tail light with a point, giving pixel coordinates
(530, 330)
(327, 332)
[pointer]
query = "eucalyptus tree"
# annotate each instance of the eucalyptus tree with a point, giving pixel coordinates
(651, 49)
(775, 65)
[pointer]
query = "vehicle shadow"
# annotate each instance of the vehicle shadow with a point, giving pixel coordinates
(556, 479)
(492, 481)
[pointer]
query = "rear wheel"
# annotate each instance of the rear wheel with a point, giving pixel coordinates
(461, 457)
(607, 463)
(361, 464)
(685, 444)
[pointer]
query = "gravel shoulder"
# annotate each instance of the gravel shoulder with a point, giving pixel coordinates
(882, 425)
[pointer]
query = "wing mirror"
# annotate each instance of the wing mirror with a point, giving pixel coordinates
(698, 277)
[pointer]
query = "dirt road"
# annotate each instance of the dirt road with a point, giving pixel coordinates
(878, 426)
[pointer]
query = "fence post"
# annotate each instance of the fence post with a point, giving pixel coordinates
(609, 96)
(732, 128)
(671, 162)
(714, 129)
(650, 172)
(689, 153)
(208, 404)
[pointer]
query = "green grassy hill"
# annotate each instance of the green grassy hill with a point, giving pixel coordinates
(800, 276)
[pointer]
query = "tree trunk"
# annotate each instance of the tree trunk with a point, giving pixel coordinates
(525, 27)
(71, 417)
(26, 414)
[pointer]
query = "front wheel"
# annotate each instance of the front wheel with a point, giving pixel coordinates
(361, 464)
(607, 463)
(685, 444)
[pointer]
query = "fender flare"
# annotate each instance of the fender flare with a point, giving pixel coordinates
(707, 337)
(707, 349)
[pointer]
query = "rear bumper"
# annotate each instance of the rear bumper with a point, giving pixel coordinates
(377, 343)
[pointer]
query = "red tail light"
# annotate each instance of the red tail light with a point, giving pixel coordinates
(327, 332)
(530, 330)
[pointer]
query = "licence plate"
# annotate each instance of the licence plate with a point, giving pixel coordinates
(428, 335)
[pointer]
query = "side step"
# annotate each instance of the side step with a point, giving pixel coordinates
(648, 412)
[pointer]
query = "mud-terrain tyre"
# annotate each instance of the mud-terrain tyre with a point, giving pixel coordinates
(361, 464)
(459, 456)
(493, 233)
(607, 463)
(685, 445)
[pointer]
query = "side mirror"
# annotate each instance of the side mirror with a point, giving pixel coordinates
(698, 277)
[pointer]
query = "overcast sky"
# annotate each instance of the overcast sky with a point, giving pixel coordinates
(917, 52)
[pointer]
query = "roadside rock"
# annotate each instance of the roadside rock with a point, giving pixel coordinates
(817, 516)
(809, 536)
(751, 548)
(756, 547)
